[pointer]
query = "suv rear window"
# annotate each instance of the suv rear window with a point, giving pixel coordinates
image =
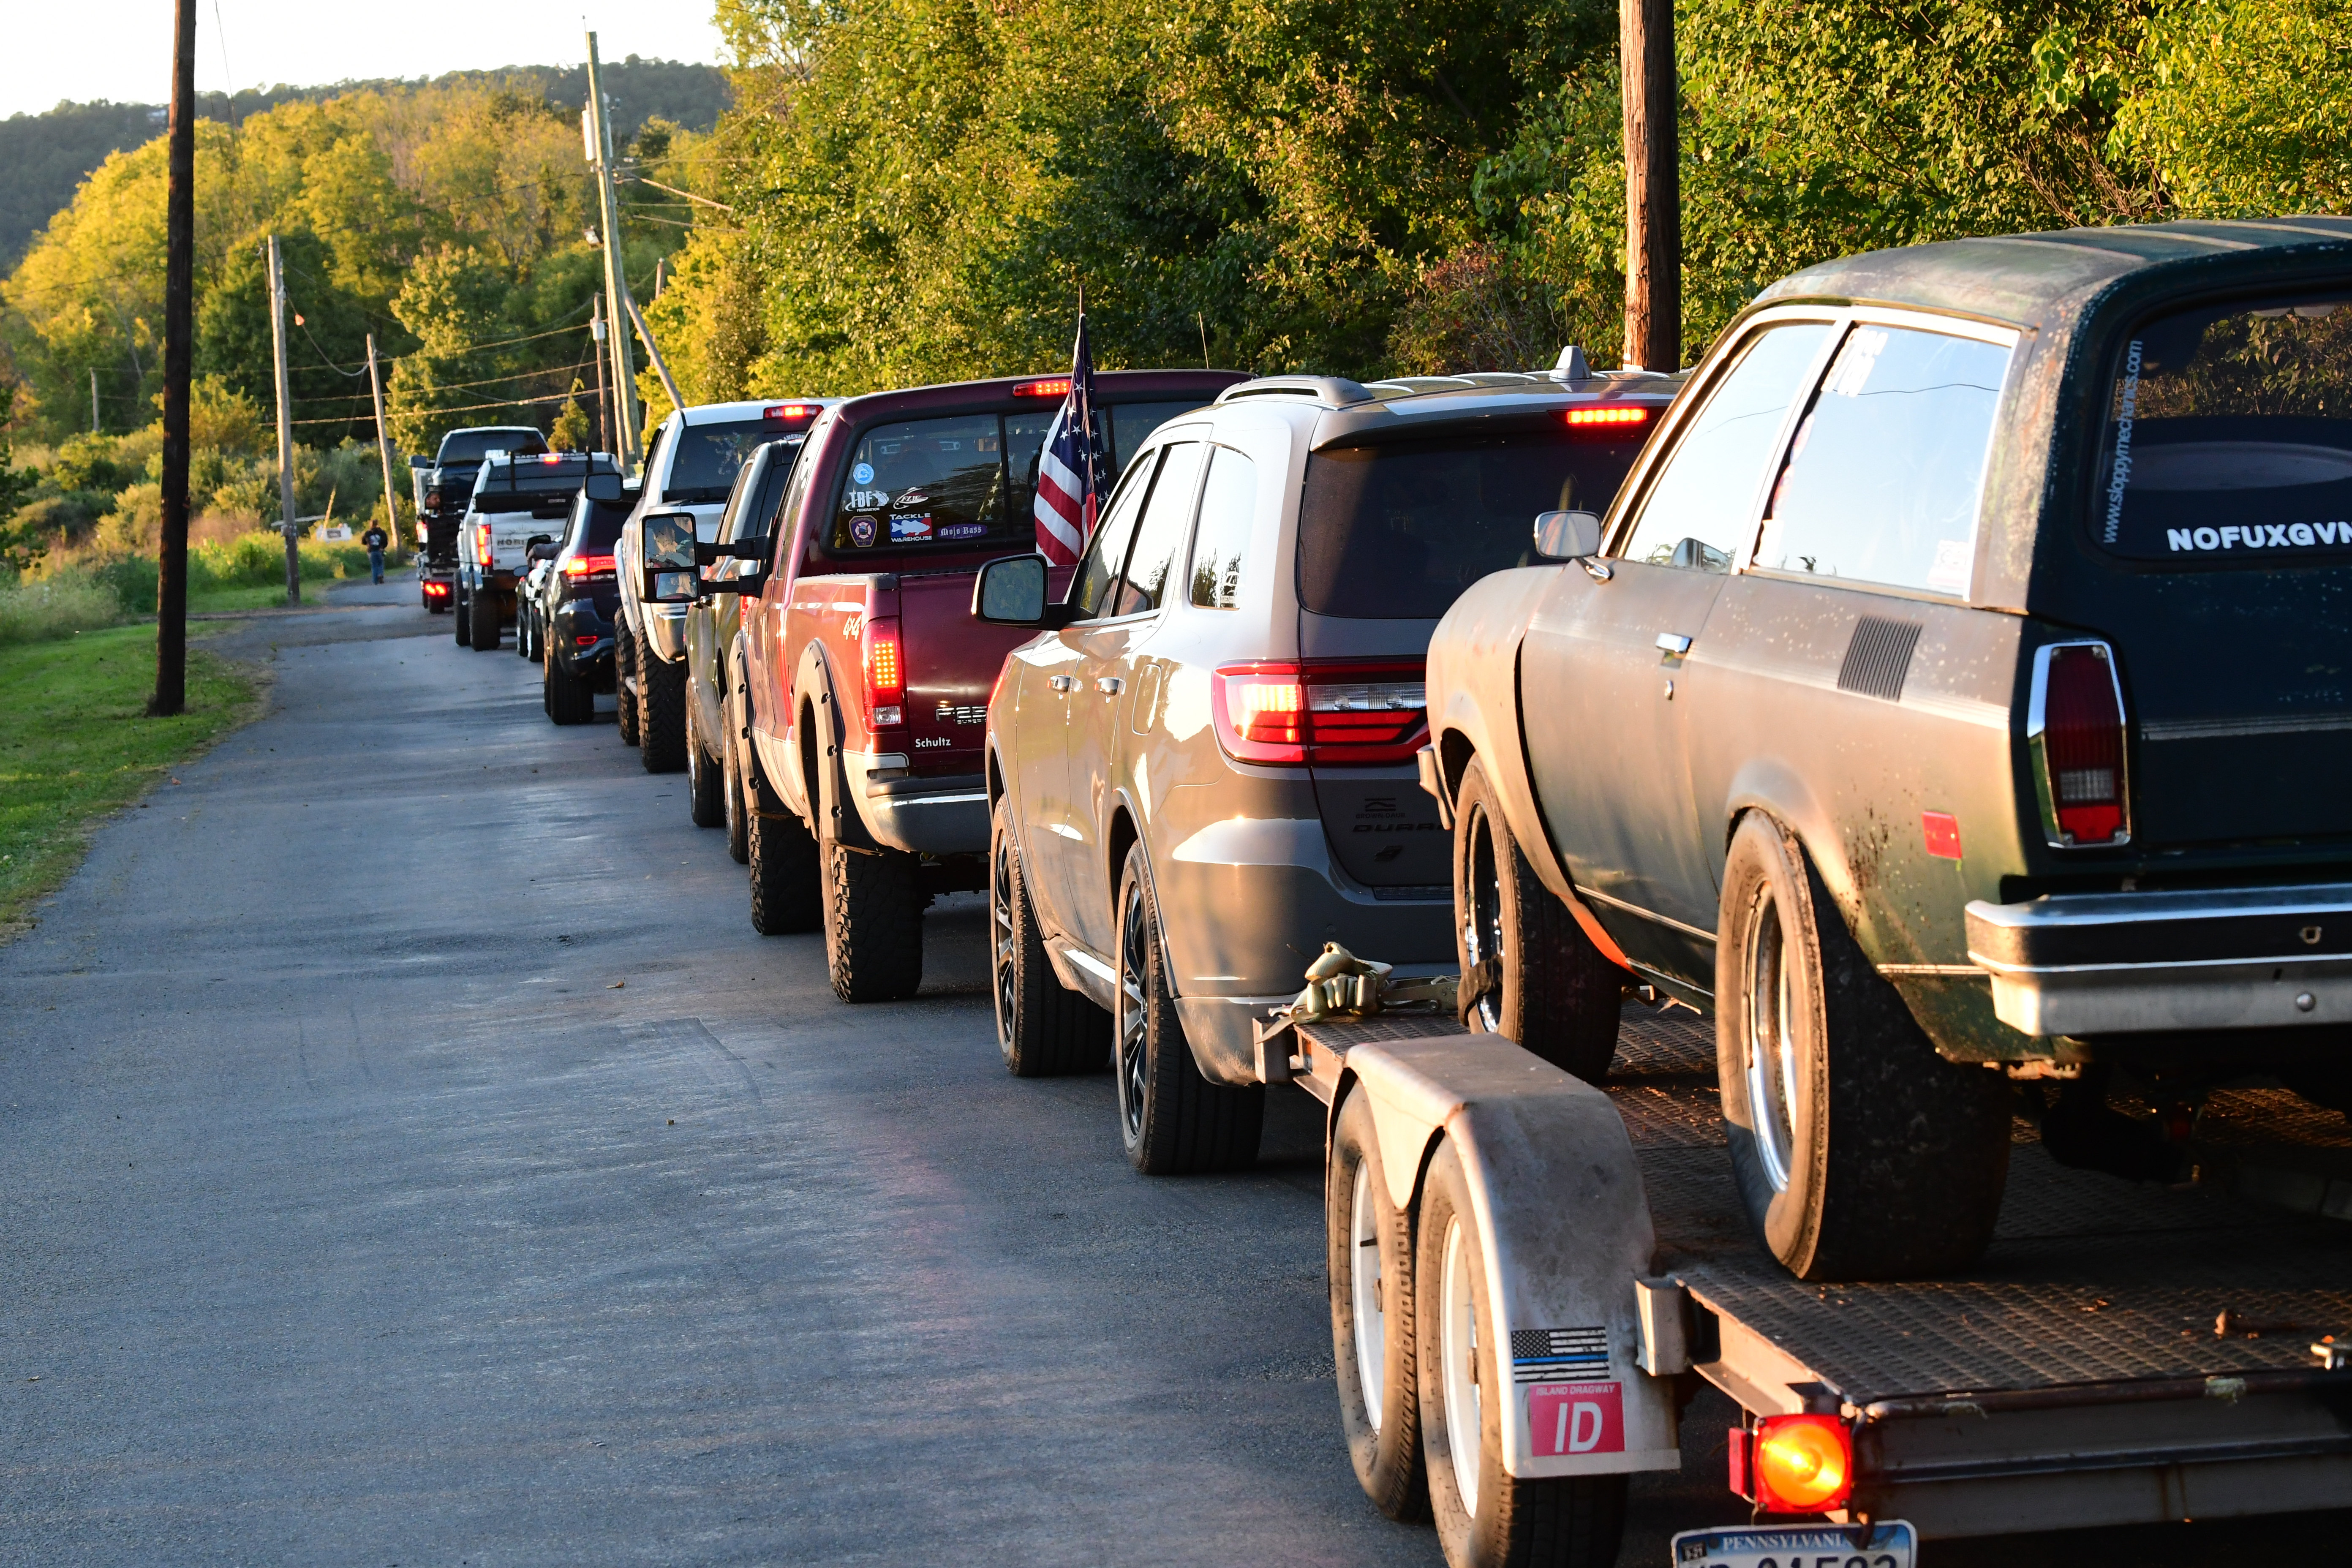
(604, 525)
(2229, 436)
(702, 469)
(1397, 531)
(473, 445)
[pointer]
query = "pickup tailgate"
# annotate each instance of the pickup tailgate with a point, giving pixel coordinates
(951, 663)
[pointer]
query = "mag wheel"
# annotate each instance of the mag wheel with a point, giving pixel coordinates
(1042, 1026)
(1172, 1121)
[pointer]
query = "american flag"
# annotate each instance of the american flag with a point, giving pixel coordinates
(1069, 469)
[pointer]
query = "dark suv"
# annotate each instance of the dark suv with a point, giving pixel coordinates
(579, 610)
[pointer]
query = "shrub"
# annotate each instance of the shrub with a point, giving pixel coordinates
(59, 606)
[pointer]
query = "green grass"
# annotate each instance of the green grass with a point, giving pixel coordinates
(76, 744)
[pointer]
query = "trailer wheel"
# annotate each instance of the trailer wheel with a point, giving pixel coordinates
(1487, 1518)
(706, 801)
(1369, 1246)
(661, 711)
(1544, 984)
(484, 616)
(1859, 1151)
(625, 677)
(873, 906)
(1043, 1026)
(738, 816)
(1172, 1121)
(463, 627)
(570, 698)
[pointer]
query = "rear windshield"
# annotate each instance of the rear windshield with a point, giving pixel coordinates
(602, 520)
(543, 501)
(968, 480)
(703, 470)
(473, 445)
(2229, 436)
(1397, 532)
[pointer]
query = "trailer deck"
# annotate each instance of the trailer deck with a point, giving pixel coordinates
(2083, 1372)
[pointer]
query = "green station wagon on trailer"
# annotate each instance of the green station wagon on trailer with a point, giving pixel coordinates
(1957, 694)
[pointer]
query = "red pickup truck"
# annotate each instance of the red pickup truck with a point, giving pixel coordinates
(866, 681)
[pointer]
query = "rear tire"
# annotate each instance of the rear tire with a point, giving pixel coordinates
(1547, 985)
(463, 621)
(484, 616)
(661, 712)
(1043, 1026)
(570, 698)
(1172, 1121)
(625, 676)
(1859, 1152)
(786, 896)
(706, 790)
(1487, 1518)
(1369, 1249)
(739, 813)
(873, 922)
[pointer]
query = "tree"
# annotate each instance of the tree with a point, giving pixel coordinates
(572, 431)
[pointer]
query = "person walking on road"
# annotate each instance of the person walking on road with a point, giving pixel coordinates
(375, 539)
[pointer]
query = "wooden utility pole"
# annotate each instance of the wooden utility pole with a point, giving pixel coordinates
(1654, 204)
(616, 282)
(285, 430)
(383, 449)
(93, 370)
(179, 345)
(604, 414)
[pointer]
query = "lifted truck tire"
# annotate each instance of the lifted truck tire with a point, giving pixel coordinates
(570, 698)
(706, 789)
(1859, 1151)
(873, 922)
(483, 611)
(1487, 1518)
(783, 859)
(661, 711)
(1044, 1028)
(1373, 1340)
(739, 813)
(1172, 1121)
(625, 676)
(1545, 985)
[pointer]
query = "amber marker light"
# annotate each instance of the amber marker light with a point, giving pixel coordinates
(1619, 414)
(1804, 1464)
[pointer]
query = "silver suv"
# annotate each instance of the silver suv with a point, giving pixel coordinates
(1204, 768)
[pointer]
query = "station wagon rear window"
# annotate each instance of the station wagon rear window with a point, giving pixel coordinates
(2229, 436)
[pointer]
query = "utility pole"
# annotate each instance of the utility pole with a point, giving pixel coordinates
(285, 428)
(604, 414)
(179, 345)
(653, 352)
(1654, 221)
(383, 449)
(93, 377)
(616, 282)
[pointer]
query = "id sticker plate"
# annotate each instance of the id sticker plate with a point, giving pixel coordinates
(1892, 1545)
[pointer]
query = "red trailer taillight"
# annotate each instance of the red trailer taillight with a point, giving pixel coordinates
(2076, 725)
(1355, 713)
(1793, 1464)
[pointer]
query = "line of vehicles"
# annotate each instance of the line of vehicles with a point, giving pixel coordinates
(1940, 691)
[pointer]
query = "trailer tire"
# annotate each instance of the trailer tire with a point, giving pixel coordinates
(484, 608)
(739, 815)
(1043, 1028)
(661, 711)
(1544, 983)
(1859, 1151)
(873, 908)
(1485, 1517)
(570, 698)
(1380, 1403)
(625, 677)
(706, 789)
(1172, 1121)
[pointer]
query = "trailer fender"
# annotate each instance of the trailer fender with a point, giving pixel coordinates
(1565, 1226)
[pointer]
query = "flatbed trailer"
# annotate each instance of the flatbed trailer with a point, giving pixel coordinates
(2122, 1353)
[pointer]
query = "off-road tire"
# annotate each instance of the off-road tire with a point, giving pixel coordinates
(873, 922)
(706, 787)
(624, 674)
(1043, 1028)
(661, 712)
(1890, 1159)
(462, 622)
(1362, 1228)
(1171, 1120)
(1543, 983)
(786, 896)
(1561, 1522)
(570, 698)
(483, 611)
(735, 801)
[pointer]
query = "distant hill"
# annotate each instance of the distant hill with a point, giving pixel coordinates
(43, 157)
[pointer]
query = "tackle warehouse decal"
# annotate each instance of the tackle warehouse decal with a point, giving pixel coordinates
(910, 530)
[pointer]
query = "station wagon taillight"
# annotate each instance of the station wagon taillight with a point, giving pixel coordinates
(1351, 713)
(2075, 727)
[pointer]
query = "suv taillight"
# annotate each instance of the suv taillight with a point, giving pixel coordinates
(2074, 725)
(886, 678)
(588, 566)
(1339, 714)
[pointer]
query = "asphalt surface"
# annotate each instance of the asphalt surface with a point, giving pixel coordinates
(409, 1154)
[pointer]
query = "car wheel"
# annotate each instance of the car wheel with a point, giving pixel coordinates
(1172, 1121)
(1859, 1152)
(570, 698)
(464, 619)
(1485, 1516)
(625, 677)
(873, 922)
(1043, 1026)
(1540, 979)
(1369, 1263)
(484, 616)
(547, 685)
(661, 711)
(706, 800)
(739, 816)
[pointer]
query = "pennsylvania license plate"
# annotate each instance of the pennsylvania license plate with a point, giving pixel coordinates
(1892, 1545)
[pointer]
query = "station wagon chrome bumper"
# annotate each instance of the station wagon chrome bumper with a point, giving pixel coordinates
(2220, 958)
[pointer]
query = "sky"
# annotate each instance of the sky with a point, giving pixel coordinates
(122, 50)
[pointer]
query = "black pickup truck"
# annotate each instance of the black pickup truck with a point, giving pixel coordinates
(444, 482)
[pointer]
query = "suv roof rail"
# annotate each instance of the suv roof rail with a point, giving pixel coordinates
(1331, 391)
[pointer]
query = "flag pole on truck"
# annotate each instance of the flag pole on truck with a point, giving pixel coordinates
(1069, 467)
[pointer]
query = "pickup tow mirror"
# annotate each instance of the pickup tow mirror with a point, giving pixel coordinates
(1011, 591)
(418, 460)
(602, 486)
(666, 542)
(1567, 535)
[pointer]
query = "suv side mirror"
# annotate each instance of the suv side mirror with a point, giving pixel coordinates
(602, 486)
(541, 548)
(1567, 535)
(1011, 591)
(418, 460)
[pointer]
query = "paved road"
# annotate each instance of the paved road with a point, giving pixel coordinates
(408, 1153)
